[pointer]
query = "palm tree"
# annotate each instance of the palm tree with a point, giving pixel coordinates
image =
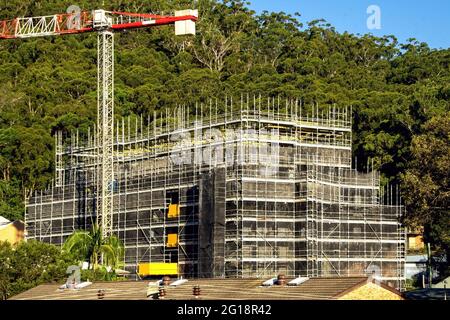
(91, 246)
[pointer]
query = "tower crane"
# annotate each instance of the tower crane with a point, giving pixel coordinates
(104, 23)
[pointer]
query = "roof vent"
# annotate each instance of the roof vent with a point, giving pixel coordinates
(178, 282)
(156, 283)
(298, 281)
(269, 282)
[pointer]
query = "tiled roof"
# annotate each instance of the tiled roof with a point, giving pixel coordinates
(229, 289)
(118, 290)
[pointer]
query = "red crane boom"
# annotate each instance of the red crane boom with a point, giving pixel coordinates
(71, 23)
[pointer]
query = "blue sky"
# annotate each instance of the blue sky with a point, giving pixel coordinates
(427, 21)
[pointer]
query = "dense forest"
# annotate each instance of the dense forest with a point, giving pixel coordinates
(399, 92)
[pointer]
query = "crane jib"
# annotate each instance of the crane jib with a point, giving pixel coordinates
(61, 24)
(149, 22)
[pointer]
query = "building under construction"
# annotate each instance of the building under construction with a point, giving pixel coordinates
(247, 189)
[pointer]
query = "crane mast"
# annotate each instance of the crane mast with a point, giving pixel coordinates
(104, 23)
(105, 120)
(105, 128)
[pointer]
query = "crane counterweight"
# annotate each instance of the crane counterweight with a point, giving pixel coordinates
(101, 20)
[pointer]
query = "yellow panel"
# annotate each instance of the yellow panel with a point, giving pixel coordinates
(172, 240)
(419, 242)
(412, 242)
(157, 269)
(143, 268)
(174, 211)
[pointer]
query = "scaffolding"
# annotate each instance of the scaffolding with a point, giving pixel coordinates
(247, 189)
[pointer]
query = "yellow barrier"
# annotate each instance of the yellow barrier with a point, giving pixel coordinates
(174, 211)
(157, 269)
(172, 240)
